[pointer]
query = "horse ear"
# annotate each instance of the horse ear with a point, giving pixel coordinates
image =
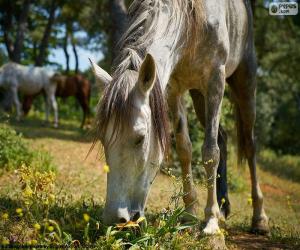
(147, 75)
(101, 75)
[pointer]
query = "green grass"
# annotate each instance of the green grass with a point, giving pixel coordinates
(285, 166)
(68, 211)
(35, 214)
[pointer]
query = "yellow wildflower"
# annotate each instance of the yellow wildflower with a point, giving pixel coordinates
(27, 192)
(33, 242)
(209, 161)
(223, 200)
(52, 197)
(106, 168)
(37, 226)
(5, 216)
(162, 223)
(139, 220)
(86, 217)
(5, 241)
(50, 228)
(224, 232)
(19, 210)
(250, 201)
(219, 232)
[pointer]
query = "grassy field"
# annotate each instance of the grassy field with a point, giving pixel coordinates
(65, 206)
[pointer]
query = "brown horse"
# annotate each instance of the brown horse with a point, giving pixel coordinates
(67, 86)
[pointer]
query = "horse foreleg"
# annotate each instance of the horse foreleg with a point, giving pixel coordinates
(17, 103)
(222, 190)
(47, 109)
(184, 151)
(55, 110)
(210, 149)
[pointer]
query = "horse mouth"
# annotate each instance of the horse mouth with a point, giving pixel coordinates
(130, 224)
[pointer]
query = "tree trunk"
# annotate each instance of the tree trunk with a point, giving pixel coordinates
(21, 29)
(45, 40)
(7, 29)
(65, 48)
(118, 13)
(75, 55)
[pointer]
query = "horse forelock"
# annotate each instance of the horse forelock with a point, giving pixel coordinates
(132, 48)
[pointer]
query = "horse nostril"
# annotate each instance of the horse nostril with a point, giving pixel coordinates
(122, 220)
(136, 216)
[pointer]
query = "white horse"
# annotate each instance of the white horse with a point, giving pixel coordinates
(169, 48)
(29, 80)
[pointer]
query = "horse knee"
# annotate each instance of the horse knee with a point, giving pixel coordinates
(210, 155)
(54, 103)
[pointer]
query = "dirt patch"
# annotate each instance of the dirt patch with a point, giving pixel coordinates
(242, 240)
(274, 190)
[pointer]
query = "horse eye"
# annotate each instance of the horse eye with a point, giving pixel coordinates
(139, 140)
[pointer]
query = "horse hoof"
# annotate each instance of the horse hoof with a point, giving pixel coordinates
(225, 210)
(212, 227)
(260, 226)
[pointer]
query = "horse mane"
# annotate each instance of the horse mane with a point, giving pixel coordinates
(143, 22)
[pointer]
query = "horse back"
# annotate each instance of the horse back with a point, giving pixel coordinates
(72, 86)
(28, 79)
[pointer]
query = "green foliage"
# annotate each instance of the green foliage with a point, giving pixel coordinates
(278, 112)
(14, 152)
(40, 215)
(286, 166)
(235, 180)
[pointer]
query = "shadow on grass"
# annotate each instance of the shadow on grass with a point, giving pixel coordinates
(285, 166)
(34, 128)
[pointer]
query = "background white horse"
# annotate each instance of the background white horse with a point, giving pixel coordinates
(29, 80)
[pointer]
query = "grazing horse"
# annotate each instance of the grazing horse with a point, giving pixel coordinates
(29, 80)
(67, 86)
(169, 48)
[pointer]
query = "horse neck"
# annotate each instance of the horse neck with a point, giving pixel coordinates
(165, 47)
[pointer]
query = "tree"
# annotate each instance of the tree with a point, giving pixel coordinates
(11, 17)
(118, 14)
(40, 59)
(278, 109)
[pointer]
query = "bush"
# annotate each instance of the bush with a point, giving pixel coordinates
(14, 152)
(286, 166)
